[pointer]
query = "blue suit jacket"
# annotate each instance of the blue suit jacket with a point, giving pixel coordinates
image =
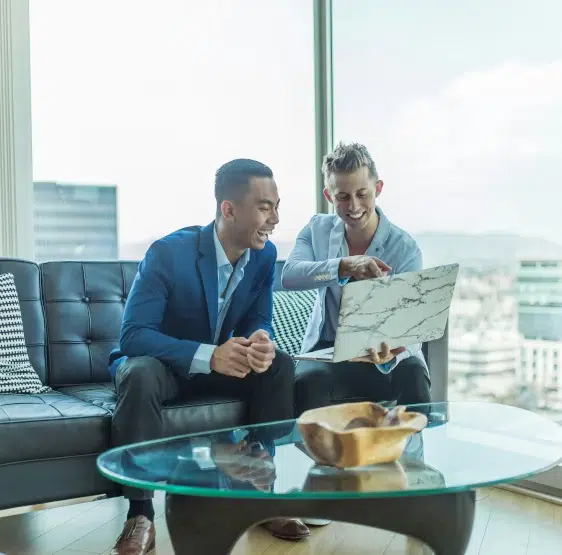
(173, 304)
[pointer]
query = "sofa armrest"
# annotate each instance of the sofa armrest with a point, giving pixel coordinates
(437, 358)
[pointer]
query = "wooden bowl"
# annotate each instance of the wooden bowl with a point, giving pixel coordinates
(358, 434)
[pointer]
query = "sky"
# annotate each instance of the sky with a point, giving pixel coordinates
(459, 102)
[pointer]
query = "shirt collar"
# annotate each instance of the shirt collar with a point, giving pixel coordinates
(383, 229)
(222, 259)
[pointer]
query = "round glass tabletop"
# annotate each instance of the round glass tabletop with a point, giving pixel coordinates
(465, 446)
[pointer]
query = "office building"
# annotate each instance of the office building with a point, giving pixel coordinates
(483, 362)
(539, 297)
(541, 363)
(75, 221)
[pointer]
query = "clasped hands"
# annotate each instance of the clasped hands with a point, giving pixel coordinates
(246, 462)
(239, 356)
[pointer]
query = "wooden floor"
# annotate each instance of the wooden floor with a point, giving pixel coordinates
(506, 523)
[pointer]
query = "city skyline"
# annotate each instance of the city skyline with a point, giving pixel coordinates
(436, 248)
(442, 247)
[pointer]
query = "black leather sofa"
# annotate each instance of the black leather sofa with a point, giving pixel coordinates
(72, 313)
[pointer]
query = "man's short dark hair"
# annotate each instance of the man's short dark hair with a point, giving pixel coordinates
(232, 180)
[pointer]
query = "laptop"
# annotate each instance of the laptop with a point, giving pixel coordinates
(399, 310)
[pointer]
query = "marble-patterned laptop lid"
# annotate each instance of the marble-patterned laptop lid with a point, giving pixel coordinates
(400, 310)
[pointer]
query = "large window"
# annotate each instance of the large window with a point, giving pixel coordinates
(461, 107)
(135, 106)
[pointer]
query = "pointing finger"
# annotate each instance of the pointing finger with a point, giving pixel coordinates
(382, 265)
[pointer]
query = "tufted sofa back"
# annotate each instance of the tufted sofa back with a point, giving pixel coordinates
(84, 304)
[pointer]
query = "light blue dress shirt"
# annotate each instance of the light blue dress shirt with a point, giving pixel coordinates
(228, 279)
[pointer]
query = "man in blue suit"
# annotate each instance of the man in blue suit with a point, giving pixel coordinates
(357, 242)
(198, 320)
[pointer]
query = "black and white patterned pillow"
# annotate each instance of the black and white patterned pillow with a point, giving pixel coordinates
(291, 312)
(16, 373)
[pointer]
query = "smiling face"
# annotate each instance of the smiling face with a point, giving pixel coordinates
(353, 195)
(252, 219)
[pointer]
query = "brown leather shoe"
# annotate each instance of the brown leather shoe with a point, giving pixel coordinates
(138, 537)
(287, 528)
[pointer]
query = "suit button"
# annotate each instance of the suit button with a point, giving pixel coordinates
(123, 299)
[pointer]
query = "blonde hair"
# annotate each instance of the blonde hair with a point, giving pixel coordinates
(348, 158)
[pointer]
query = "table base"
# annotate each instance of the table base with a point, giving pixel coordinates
(213, 525)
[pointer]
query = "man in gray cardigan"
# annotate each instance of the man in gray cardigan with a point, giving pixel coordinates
(357, 242)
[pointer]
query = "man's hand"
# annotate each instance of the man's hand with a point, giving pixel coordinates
(231, 358)
(386, 355)
(247, 463)
(261, 351)
(362, 267)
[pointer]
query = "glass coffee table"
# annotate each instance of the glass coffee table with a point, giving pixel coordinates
(221, 483)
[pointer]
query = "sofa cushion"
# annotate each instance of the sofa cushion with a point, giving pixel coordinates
(16, 373)
(50, 425)
(189, 415)
(99, 394)
(291, 313)
(84, 304)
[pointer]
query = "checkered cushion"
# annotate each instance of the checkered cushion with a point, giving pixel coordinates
(16, 373)
(291, 312)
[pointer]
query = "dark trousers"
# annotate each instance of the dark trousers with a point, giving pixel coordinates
(318, 384)
(144, 385)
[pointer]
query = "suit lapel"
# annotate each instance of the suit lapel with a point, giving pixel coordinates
(337, 235)
(207, 265)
